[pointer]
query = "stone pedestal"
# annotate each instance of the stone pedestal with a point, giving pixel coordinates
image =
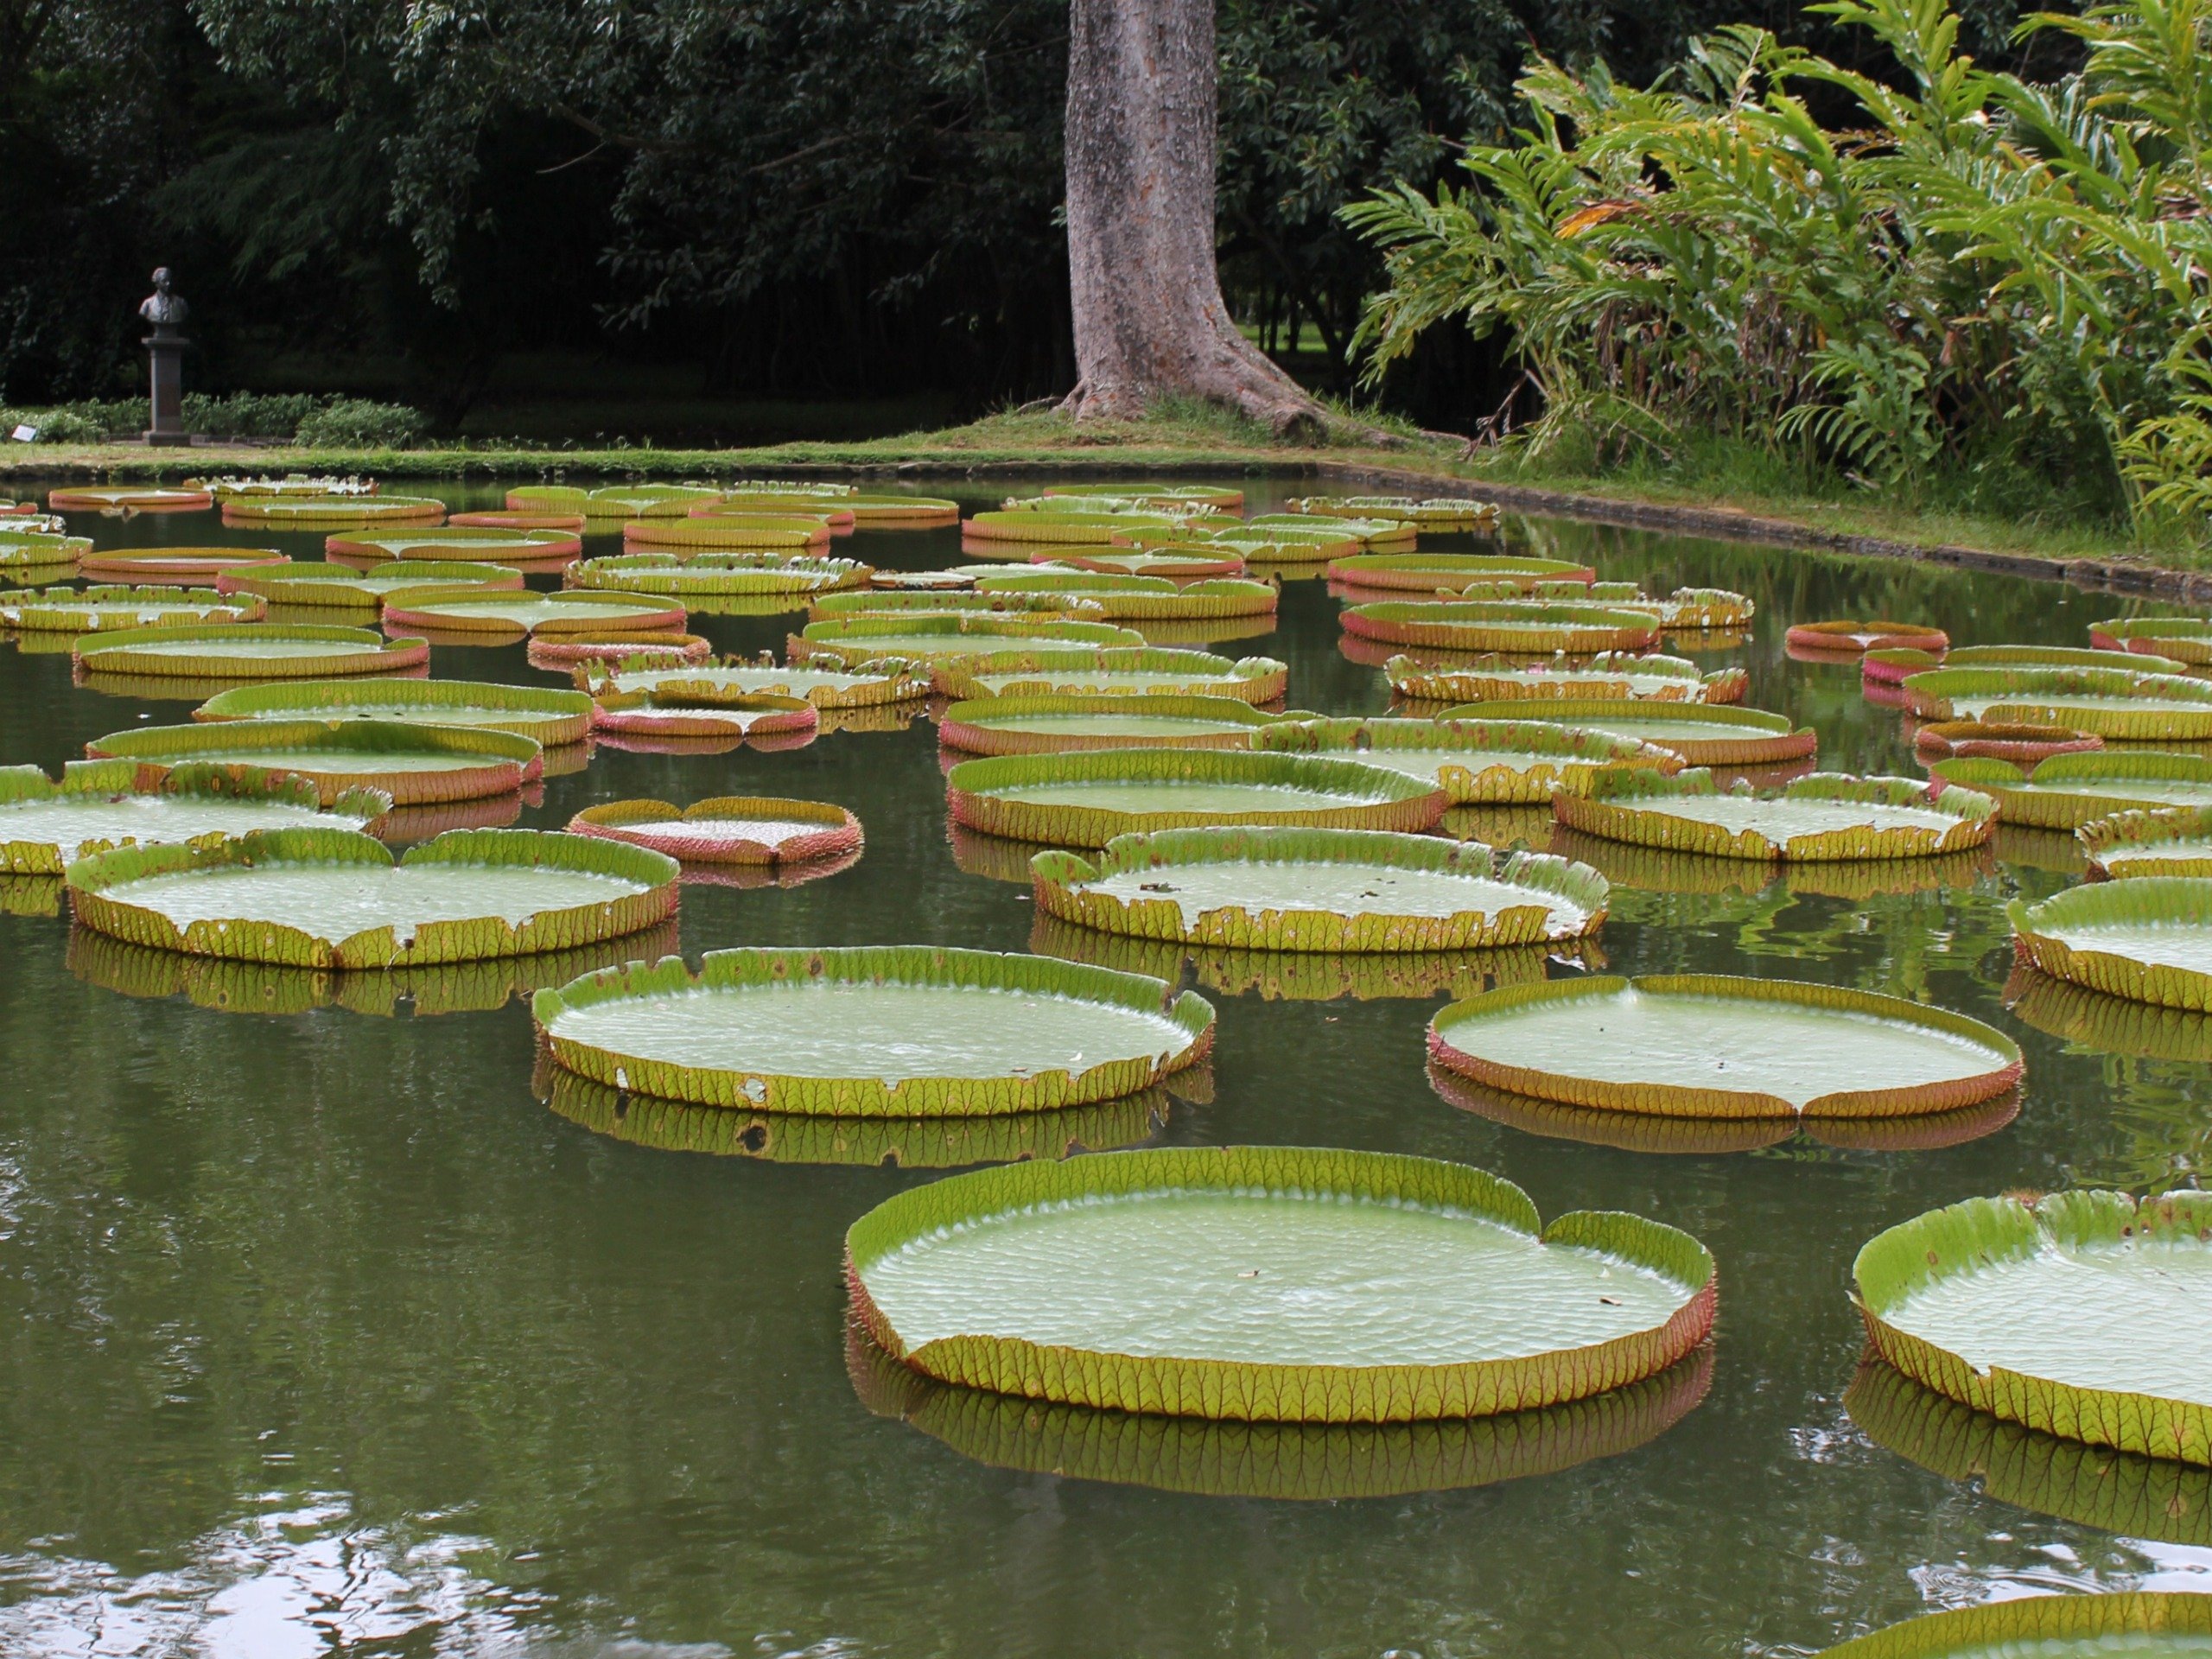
(165, 364)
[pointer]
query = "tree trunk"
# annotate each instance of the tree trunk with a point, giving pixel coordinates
(1149, 318)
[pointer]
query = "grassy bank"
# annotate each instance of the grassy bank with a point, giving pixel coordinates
(1714, 499)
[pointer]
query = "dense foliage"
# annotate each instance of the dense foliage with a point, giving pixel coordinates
(1961, 269)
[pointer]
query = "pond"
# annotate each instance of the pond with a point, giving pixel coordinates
(323, 1333)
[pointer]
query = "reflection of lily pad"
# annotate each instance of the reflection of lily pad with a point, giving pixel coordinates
(1294, 1461)
(2106, 703)
(726, 828)
(889, 1142)
(2039, 1315)
(1329, 891)
(2172, 841)
(1304, 975)
(2107, 1025)
(2116, 1491)
(45, 826)
(1043, 725)
(246, 650)
(1504, 624)
(423, 990)
(2069, 790)
(1654, 870)
(412, 764)
(1715, 1046)
(552, 717)
(1271, 1284)
(1667, 679)
(2149, 939)
(1432, 572)
(1474, 762)
(1143, 671)
(1825, 816)
(898, 1032)
(316, 898)
(1648, 1132)
(1086, 797)
(1704, 734)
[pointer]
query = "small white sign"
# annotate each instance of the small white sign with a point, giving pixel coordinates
(25, 435)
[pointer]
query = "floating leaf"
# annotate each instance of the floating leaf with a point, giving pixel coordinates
(1825, 816)
(2171, 841)
(2179, 638)
(817, 680)
(507, 615)
(1501, 624)
(1703, 735)
(2143, 939)
(343, 586)
(2024, 745)
(174, 567)
(1006, 725)
(1492, 761)
(1127, 671)
(94, 610)
(2068, 791)
(315, 512)
(246, 650)
(1667, 679)
(99, 805)
(552, 717)
(454, 543)
(935, 638)
(2108, 703)
(1854, 637)
(726, 828)
(414, 764)
(144, 498)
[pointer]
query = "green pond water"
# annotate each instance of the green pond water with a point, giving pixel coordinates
(68, 823)
(2125, 1315)
(321, 1329)
(888, 1031)
(1309, 1280)
(1347, 889)
(335, 901)
(1719, 1042)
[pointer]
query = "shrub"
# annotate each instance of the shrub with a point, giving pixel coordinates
(357, 423)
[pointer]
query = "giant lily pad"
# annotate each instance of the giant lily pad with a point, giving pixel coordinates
(315, 512)
(2179, 638)
(1893, 667)
(1172, 561)
(553, 717)
(614, 501)
(41, 551)
(1659, 679)
(716, 574)
(1326, 890)
(898, 1032)
(1486, 761)
(1703, 735)
(2149, 939)
(1376, 535)
(1643, 869)
(1086, 797)
(2037, 1312)
(1855, 638)
(1059, 528)
(2023, 744)
(1434, 513)
(1271, 1284)
(474, 543)
(825, 686)
(1310, 1462)
(414, 764)
(138, 499)
(1501, 624)
(585, 645)
(876, 601)
(2114, 1491)
(2108, 703)
(932, 639)
(291, 485)
(2175, 840)
(1713, 1045)
(511, 615)
(903, 511)
(254, 650)
(1135, 671)
(720, 715)
(342, 586)
(98, 805)
(1039, 725)
(337, 898)
(2068, 791)
(95, 610)
(882, 1142)
(1429, 573)
(1144, 597)
(175, 567)
(1825, 816)
(2130, 1626)
(726, 828)
(1163, 494)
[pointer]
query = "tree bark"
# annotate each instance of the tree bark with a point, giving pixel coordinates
(1149, 319)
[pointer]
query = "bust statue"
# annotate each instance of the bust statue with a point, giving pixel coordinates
(163, 309)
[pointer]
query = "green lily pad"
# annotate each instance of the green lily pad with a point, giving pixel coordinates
(934, 638)
(1473, 762)
(1377, 535)
(1220, 498)
(44, 826)
(95, 610)
(899, 1032)
(2131, 1626)
(826, 687)
(1144, 597)
(1859, 635)
(1047, 725)
(1271, 1284)
(1449, 572)
(337, 898)
(508, 614)
(726, 828)
(414, 764)
(1069, 528)
(1825, 816)
(2068, 791)
(246, 650)
(614, 501)
(2114, 1491)
(40, 550)
(292, 485)
(743, 533)
(342, 586)
(722, 715)
(1321, 890)
(143, 497)
(1502, 625)
(2180, 639)
(2174, 841)
(2147, 938)
(1608, 677)
(716, 574)
(1703, 735)
(1891, 667)
(1126, 672)
(902, 512)
(2037, 1313)
(1713, 1045)
(314, 511)
(2106, 703)
(1434, 512)
(1170, 559)
(878, 601)
(174, 566)
(1642, 869)
(480, 545)
(1086, 797)
(1307, 1462)
(552, 717)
